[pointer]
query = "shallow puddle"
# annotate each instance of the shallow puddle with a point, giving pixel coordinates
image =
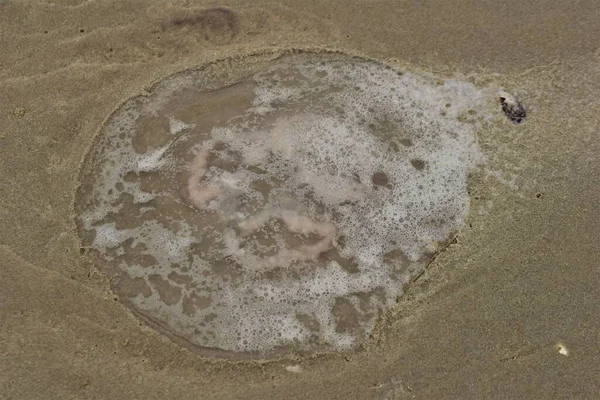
(250, 209)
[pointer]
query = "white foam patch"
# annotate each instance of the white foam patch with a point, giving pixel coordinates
(151, 161)
(369, 161)
(176, 126)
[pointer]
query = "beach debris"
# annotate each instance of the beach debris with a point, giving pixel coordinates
(562, 349)
(512, 108)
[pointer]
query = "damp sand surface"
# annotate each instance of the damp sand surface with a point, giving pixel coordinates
(506, 311)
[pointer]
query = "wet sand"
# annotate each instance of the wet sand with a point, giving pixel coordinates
(484, 321)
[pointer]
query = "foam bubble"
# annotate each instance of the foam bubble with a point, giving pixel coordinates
(292, 213)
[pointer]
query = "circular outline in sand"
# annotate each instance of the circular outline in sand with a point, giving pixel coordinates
(161, 328)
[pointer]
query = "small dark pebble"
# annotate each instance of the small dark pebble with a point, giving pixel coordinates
(513, 109)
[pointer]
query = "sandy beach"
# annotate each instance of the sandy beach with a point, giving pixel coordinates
(509, 310)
